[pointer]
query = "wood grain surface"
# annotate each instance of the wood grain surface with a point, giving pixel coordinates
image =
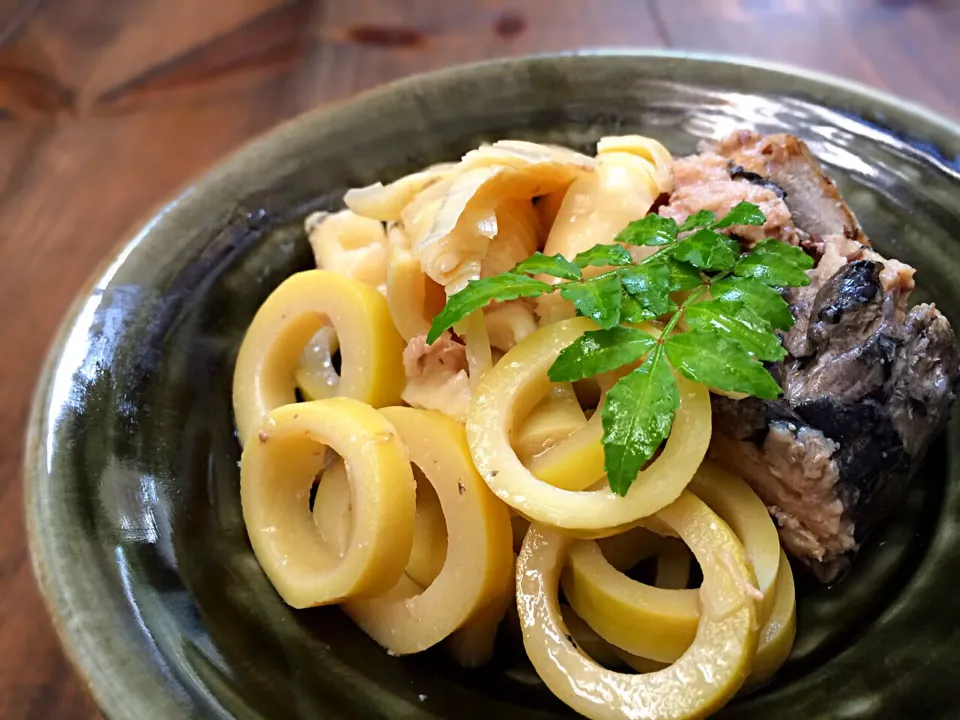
(107, 106)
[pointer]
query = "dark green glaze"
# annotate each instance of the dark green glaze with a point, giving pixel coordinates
(132, 479)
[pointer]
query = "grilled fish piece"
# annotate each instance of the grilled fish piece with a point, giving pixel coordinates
(868, 383)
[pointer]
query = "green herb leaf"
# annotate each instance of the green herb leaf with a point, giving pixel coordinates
(649, 230)
(600, 351)
(738, 322)
(702, 219)
(598, 298)
(680, 275)
(763, 299)
(771, 247)
(603, 255)
(776, 264)
(649, 284)
(556, 265)
(707, 250)
(632, 311)
(707, 357)
(637, 417)
(478, 293)
(743, 213)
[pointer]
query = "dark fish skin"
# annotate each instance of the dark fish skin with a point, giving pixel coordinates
(868, 384)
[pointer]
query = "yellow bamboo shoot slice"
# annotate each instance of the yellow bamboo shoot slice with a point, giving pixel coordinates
(333, 508)
(333, 513)
(479, 558)
(372, 368)
(625, 550)
(673, 565)
(277, 470)
(587, 640)
(472, 645)
(777, 636)
(705, 677)
(551, 421)
(429, 549)
(642, 619)
(510, 390)
(519, 525)
(733, 500)
(316, 377)
(657, 623)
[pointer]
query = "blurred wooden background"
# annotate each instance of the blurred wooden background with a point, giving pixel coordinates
(107, 106)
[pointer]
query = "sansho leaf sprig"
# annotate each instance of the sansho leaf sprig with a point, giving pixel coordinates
(730, 303)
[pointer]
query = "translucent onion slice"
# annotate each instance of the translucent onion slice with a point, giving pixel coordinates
(351, 245)
(451, 233)
(413, 298)
(659, 158)
(509, 391)
(479, 559)
(385, 203)
(372, 351)
(277, 470)
(705, 677)
(733, 500)
(509, 322)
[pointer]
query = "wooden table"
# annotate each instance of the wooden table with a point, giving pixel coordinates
(109, 105)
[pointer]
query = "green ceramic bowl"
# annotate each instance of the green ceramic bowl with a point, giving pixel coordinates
(132, 480)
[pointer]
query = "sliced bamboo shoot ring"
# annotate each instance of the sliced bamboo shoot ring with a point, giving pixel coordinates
(518, 382)
(372, 368)
(333, 513)
(777, 636)
(706, 676)
(733, 500)
(642, 619)
(277, 470)
(479, 558)
(472, 645)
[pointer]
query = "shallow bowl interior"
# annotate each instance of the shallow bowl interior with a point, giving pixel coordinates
(133, 502)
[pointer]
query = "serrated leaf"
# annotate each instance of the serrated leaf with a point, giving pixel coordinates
(598, 299)
(738, 322)
(600, 351)
(771, 247)
(771, 270)
(762, 299)
(702, 219)
(707, 250)
(680, 275)
(637, 417)
(707, 357)
(604, 255)
(632, 311)
(478, 293)
(649, 230)
(649, 285)
(743, 213)
(556, 265)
